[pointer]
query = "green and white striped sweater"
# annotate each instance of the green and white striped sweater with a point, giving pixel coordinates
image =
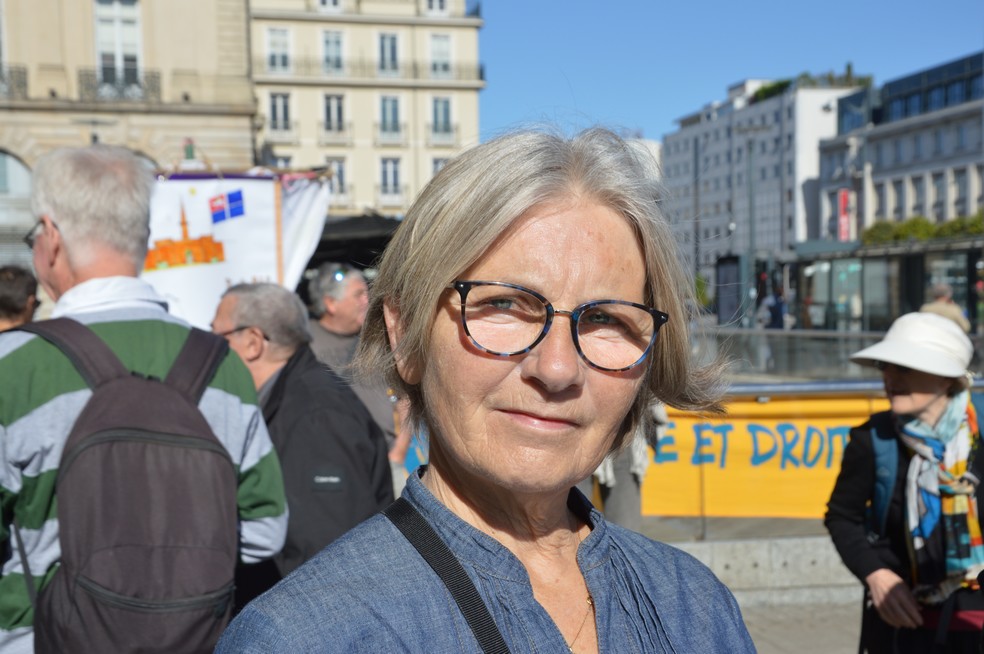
(41, 394)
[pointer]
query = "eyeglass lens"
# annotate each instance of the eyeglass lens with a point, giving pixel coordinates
(505, 320)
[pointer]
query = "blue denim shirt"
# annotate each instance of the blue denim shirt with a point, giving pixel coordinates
(370, 591)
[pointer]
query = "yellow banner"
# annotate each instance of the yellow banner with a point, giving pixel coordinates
(769, 457)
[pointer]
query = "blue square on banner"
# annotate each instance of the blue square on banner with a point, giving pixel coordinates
(236, 207)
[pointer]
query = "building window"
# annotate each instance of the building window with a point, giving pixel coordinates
(879, 155)
(917, 146)
(960, 192)
(439, 163)
(437, 6)
(440, 55)
(334, 113)
(330, 5)
(387, 54)
(389, 181)
(939, 196)
(281, 161)
(880, 200)
(899, 199)
(938, 141)
(337, 182)
(914, 105)
(977, 88)
(279, 112)
(332, 45)
(278, 50)
(937, 98)
(955, 93)
(897, 150)
(442, 116)
(961, 136)
(918, 196)
(389, 118)
(896, 109)
(118, 42)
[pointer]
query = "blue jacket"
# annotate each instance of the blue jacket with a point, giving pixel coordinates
(370, 591)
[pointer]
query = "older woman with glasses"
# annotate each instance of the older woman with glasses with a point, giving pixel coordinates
(531, 306)
(903, 514)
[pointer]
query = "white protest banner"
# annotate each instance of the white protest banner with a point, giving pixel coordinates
(208, 232)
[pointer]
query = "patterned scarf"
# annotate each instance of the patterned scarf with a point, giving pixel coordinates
(941, 510)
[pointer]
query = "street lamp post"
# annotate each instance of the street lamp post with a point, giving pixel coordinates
(748, 284)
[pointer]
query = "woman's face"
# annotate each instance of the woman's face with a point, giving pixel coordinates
(915, 393)
(541, 421)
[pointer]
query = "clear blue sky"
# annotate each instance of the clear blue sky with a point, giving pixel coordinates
(642, 64)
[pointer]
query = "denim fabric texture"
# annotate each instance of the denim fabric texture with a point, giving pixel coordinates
(370, 591)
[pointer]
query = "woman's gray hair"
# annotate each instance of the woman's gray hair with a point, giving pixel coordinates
(477, 196)
(278, 313)
(95, 194)
(330, 279)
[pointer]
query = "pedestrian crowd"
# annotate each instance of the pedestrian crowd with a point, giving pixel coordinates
(169, 489)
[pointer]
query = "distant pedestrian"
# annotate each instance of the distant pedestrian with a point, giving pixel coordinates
(18, 296)
(944, 305)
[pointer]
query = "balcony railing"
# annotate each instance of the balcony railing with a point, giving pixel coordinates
(282, 133)
(320, 69)
(391, 196)
(119, 85)
(334, 134)
(343, 197)
(445, 136)
(389, 134)
(13, 82)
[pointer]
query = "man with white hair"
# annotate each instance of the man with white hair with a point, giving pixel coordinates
(333, 454)
(89, 243)
(944, 305)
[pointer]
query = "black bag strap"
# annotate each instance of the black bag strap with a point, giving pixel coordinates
(32, 592)
(88, 353)
(423, 537)
(196, 363)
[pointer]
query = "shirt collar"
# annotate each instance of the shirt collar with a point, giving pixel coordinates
(106, 293)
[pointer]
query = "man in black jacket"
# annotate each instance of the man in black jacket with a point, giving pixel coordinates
(334, 456)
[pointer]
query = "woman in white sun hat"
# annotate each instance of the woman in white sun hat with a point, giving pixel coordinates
(903, 513)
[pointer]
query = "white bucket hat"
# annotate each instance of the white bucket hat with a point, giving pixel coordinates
(922, 341)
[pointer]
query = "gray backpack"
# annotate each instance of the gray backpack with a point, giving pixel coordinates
(147, 511)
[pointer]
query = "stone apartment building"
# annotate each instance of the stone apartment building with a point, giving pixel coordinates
(381, 91)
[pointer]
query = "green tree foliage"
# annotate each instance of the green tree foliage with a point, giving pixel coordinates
(920, 228)
(917, 228)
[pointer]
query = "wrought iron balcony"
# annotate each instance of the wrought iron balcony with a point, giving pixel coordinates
(442, 135)
(335, 134)
(391, 196)
(282, 132)
(13, 82)
(336, 68)
(391, 134)
(119, 85)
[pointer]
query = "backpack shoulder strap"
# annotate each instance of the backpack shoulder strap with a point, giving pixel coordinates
(886, 449)
(94, 360)
(197, 363)
(423, 537)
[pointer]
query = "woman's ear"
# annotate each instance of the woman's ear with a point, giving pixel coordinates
(409, 372)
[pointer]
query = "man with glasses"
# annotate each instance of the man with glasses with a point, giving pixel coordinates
(339, 300)
(18, 296)
(89, 245)
(333, 454)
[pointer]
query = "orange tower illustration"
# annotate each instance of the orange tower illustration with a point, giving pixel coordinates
(168, 253)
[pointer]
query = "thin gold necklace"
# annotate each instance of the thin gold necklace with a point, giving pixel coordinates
(587, 612)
